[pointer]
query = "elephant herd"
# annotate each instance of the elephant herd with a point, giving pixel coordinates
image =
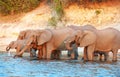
(50, 42)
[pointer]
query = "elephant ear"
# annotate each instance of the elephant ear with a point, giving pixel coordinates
(31, 39)
(44, 37)
(88, 38)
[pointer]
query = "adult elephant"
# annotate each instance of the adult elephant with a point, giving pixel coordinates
(26, 34)
(87, 27)
(105, 40)
(51, 39)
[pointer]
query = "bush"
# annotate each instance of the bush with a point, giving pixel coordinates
(17, 6)
(52, 21)
(97, 12)
(57, 12)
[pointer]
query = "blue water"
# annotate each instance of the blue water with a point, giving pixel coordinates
(24, 67)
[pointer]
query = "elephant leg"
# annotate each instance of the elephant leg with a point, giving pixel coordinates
(48, 54)
(106, 56)
(72, 55)
(115, 55)
(49, 49)
(33, 52)
(44, 51)
(53, 54)
(90, 51)
(76, 54)
(100, 56)
(56, 54)
(69, 53)
(85, 54)
(40, 54)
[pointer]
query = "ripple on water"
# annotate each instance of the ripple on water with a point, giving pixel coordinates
(23, 67)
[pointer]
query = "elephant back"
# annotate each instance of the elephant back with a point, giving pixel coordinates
(60, 36)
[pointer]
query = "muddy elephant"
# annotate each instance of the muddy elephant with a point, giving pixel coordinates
(51, 40)
(18, 45)
(96, 41)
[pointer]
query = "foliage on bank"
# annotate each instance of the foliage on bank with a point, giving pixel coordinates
(17, 6)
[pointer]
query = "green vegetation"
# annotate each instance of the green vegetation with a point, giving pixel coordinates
(97, 12)
(17, 6)
(57, 12)
(59, 5)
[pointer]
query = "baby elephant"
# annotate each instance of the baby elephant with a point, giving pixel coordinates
(18, 45)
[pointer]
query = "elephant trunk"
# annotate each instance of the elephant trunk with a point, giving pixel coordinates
(19, 54)
(67, 44)
(8, 48)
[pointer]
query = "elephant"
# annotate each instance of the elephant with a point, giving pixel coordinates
(51, 39)
(75, 27)
(18, 45)
(25, 34)
(96, 40)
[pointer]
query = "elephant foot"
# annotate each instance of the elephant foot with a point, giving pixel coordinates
(48, 59)
(84, 59)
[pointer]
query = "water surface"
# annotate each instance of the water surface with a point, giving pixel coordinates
(24, 67)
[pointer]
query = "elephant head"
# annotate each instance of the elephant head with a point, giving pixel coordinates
(21, 35)
(37, 37)
(82, 38)
(24, 34)
(40, 37)
(11, 45)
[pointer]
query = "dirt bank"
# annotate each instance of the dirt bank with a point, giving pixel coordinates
(100, 15)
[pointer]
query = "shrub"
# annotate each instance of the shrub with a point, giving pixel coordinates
(17, 6)
(97, 12)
